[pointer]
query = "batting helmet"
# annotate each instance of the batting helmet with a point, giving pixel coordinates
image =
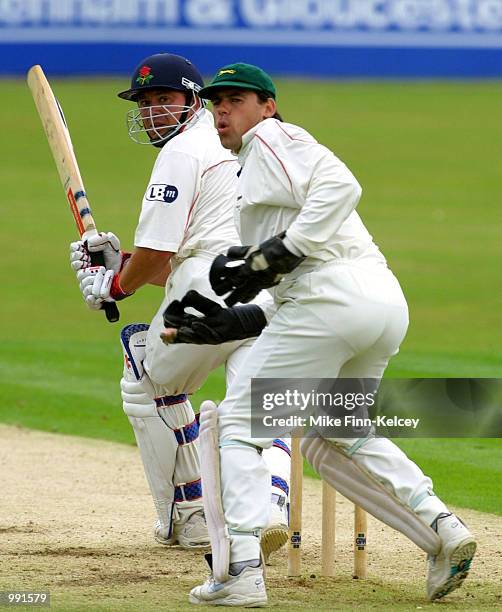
(163, 70)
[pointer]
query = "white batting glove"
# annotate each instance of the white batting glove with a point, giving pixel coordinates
(109, 244)
(99, 285)
(79, 256)
(80, 262)
(95, 283)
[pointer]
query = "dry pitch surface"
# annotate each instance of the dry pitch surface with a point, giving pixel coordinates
(75, 519)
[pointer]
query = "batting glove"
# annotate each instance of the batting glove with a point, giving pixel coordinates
(245, 271)
(79, 256)
(218, 325)
(105, 242)
(109, 245)
(99, 285)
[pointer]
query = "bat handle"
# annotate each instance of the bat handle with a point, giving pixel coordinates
(111, 311)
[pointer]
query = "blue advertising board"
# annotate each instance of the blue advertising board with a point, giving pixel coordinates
(317, 38)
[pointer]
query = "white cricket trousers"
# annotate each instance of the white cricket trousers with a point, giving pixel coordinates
(182, 369)
(345, 318)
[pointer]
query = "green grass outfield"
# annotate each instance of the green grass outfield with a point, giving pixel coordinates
(427, 155)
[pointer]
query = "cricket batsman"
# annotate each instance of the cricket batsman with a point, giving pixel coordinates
(339, 312)
(186, 220)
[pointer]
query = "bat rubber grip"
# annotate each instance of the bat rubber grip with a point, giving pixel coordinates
(111, 311)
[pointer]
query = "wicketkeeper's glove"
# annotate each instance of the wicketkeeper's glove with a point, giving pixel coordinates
(218, 324)
(245, 271)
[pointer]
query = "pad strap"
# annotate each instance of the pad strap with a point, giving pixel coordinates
(256, 533)
(188, 491)
(277, 499)
(188, 433)
(280, 483)
(278, 443)
(170, 400)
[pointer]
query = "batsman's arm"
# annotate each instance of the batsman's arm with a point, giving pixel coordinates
(144, 266)
(161, 278)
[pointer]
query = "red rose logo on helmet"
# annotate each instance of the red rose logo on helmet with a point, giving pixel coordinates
(144, 75)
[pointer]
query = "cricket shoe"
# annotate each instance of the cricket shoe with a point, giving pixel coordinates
(247, 590)
(276, 534)
(450, 567)
(192, 534)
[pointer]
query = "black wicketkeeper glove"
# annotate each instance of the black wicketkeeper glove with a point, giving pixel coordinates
(218, 324)
(245, 271)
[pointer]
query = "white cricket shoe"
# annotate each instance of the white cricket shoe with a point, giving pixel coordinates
(276, 534)
(246, 590)
(450, 567)
(192, 534)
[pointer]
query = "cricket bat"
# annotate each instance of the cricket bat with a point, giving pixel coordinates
(58, 136)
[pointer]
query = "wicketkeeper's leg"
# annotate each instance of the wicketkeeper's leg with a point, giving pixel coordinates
(278, 461)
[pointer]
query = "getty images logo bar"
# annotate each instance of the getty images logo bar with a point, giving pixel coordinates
(348, 408)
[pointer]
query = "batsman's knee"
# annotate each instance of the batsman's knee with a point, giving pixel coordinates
(133, 340)
(136, 389)
(135, 401)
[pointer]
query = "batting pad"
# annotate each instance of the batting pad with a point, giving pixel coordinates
(133, 339)
(211, 491)
(357, 485)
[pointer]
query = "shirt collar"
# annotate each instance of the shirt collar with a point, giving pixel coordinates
(200, 117)
(247, 139)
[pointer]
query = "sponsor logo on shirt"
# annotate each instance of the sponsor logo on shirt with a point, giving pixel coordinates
(161, 193)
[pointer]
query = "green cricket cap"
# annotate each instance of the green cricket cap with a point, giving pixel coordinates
(240, 76)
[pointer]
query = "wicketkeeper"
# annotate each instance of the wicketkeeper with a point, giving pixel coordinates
(339, 313)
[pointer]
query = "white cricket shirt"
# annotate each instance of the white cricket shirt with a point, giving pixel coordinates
(291, 182)
(188, 204)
